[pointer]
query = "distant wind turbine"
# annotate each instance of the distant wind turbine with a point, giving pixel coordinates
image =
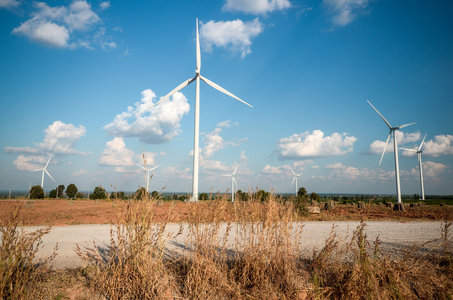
(419, 152)
(197, 78)
(395, 150)
(233, 182)
(45, 170)
(147, 175)
(295, 178)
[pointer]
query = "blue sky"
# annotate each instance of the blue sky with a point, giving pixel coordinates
(79, 79)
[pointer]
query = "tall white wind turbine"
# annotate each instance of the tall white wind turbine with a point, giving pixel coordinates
(395, 150)
(419, 152)
(45, 170)
(233, 182)
(197, 78)
(147, 175)
(295, 179)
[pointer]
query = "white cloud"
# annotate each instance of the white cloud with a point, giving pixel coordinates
(80, 172)
(65, 27)
(232, 35)
(30, 163)
(402, 138)
(152, 124)
(46, 33)
(348, 173)
(315, 144)
(60, 138)
(344, 12)
(116, 154)
(268, 169)
(256, 6)
(9, 4)
(104, 5)
(431, 170)
(441, 145)
(147, 158)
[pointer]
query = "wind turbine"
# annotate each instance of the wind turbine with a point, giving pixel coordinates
(45, 170)
(197, 78)
(233, 182)
(294, 178)
(395, 150)
(147, 175)
(419, 152)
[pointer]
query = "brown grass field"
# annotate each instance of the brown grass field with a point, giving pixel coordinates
(76, 212)
(264, 263)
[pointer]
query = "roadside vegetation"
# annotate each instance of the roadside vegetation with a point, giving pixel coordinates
(264, 262)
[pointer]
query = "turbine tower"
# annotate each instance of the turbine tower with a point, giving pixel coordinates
(147, 175)
(197, 78)
(295, 178)
(44, 170)
(233, 182)
(395, 150)
(419, 152)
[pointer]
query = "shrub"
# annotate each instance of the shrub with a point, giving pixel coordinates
(36, 192)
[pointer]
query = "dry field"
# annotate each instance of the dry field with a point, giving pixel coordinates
(76, 212)
(264, 262)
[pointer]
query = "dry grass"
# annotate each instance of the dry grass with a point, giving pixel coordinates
(263, 262)
(20, 275)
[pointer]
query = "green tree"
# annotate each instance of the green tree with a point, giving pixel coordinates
(262, 195)
(60, 191)
(53, 193)
(79, 196)
(36, 192)
(203, 196)
(71, 190)
(302, 192)
(155, 195)
(98, 193)
(314, 196)
(140, 194)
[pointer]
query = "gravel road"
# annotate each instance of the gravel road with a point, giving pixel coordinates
(394, 235)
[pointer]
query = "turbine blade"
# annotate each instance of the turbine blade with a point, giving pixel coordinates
(221, 89)
(142, 167)
(153, 168)
(385, 148)
(382, 117)
(293, 171)
(413, 150)
(293, 181)
(234, 180)
(421, 144)
(49, 175)
(177, 89)
(198, 52)
(405, 125)
(235, 170)
(37, 170)
(48, 161)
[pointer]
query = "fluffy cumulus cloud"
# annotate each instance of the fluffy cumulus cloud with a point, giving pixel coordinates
(339, 171)
(257, 7)
(440, 145)
(9, 4)
(30, 163)
(402, 138)
(104, 5)
(60, 138)
(431, 171)
(297, 166)
(152, 124)
(116, 154)
(343, 12)
(65, 27)
(234, 35)
(314, 144)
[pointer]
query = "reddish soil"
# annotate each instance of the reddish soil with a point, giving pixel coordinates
(68, 212)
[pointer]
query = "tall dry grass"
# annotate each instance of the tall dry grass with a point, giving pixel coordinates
(21, 273)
